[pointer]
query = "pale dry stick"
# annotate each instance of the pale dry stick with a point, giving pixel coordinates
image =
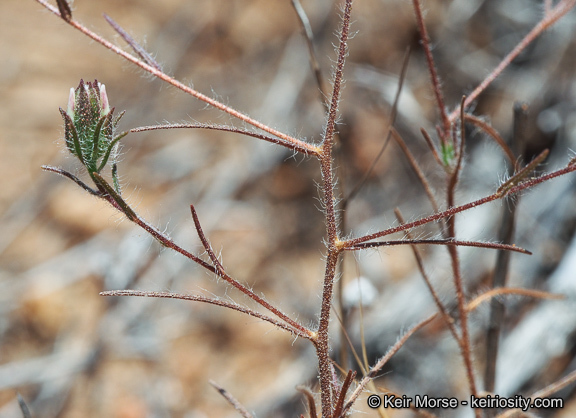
(555, 387)
(231, 400)
(509, 291)
(23, 407)
(544, 393)
(551, 16)
(490, 294)
(333, 240)
(506, 234)
(309, 148)
(366, 365)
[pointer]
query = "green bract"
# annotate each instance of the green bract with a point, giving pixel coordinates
(90, 126)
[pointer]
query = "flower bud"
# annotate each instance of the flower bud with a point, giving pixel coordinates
(89, 125)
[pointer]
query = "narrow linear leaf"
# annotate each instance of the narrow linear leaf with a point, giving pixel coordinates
(64, 9)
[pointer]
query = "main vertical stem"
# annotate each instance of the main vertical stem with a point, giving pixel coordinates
(326, 167)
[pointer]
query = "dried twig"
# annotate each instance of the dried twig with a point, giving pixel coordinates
(231, 400)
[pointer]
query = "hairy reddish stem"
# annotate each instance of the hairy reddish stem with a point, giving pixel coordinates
(326, 167)
(170, 80)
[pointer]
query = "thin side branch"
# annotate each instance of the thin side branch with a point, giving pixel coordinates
(225, 128)
(309, 37)
(188, 90)
(218, 269)
(211, 301)
(492, 133)
(551, 16)
(454, 210)
(447, 242)
(72, 177)
(435, 79)
(448, 320)
(382, 362)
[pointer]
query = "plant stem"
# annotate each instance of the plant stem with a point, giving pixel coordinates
(326, 167)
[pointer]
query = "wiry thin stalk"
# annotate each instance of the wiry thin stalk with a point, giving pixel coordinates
(219, 270)
(356, 189)
(72, 177)
(435, 79)
(420, 263)
(431, 146)
(309, 37)
(382, 362)
(211, 301)
(551, 16)
(454, 210)
(493, 134)
(391, 131)
(416, 168)
(309, 399)
(342, 395)
(108, 193)
(464, 340)
(172, 81)
(226, 128)
(445, 241)
(538, 294)
(469, 308)
(543, 393)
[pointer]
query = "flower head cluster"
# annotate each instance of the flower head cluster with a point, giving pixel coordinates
(90, 125)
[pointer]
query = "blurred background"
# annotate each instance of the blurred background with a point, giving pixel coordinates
(72, 353)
